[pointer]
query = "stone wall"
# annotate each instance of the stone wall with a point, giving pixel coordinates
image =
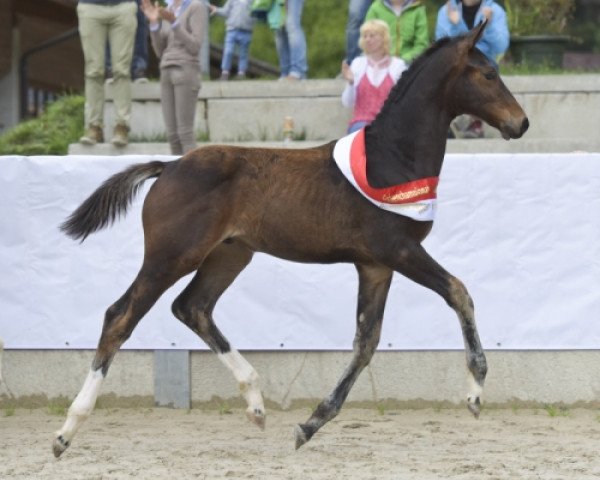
(559, 107)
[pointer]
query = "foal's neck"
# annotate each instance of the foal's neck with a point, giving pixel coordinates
(406, 142)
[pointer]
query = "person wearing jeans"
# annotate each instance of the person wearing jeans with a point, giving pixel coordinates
(101, 21)
(357, 10)
(242, 39)
(139, 63)
(239, 23)
(176, 33)
(291, 43)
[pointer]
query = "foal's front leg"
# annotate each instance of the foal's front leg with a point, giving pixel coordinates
(416, 264)
(374, 284)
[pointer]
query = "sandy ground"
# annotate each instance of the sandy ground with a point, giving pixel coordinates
(358, 444)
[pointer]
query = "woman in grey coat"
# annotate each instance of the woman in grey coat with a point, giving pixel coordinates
(176, 33)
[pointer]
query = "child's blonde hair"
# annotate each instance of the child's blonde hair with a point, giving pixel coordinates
(376, 26)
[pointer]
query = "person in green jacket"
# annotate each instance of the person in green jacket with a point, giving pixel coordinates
(407, 20)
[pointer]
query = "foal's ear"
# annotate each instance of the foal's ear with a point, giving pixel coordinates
(468, 41)
(475, 34)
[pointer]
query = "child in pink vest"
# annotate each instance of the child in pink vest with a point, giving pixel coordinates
(371, 76)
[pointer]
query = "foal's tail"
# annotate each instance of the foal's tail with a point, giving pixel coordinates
(110, 200)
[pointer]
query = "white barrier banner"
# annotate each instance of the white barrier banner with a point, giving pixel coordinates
(521, 231)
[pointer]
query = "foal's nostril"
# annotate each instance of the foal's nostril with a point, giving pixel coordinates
(524, 125)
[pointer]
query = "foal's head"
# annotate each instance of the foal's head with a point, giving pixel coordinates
(474, 86)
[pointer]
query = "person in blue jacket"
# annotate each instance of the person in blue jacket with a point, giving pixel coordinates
(457, 17)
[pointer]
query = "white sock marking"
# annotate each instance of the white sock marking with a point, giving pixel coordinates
(247, 379)
(475, 389)
(82, 406)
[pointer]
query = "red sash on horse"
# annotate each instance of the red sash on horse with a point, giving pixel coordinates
(415, 199)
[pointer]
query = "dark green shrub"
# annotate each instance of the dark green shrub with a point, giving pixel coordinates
(49, 134)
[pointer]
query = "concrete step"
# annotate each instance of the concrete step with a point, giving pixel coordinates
(163, 148)
(558, 106)
(484, 145)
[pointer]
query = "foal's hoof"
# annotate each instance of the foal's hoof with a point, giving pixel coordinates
(300, 436)
(257, 417)
(474, 406)
(303, 434)
(59, 446)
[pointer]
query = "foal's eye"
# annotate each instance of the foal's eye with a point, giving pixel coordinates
(490, 75)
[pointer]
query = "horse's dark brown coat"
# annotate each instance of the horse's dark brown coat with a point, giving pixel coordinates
(212, 209)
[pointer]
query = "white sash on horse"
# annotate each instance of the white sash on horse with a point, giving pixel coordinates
(415, 199)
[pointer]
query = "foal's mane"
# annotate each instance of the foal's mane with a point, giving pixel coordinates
(409, 75)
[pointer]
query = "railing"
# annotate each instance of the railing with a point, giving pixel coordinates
(34, 100)
(31, 100)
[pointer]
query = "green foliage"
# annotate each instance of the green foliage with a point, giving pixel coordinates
(538, 17)
(49, 134)
(584, 28)
(586, 36)
(324, 23)
(509, 68)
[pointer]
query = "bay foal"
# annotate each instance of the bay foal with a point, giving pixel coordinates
(209, 211)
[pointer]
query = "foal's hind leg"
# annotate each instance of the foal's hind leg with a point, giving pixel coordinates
(374, 284)
(120, 320)
(194, 308)
(417, 264)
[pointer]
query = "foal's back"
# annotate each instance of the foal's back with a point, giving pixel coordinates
(291, 203)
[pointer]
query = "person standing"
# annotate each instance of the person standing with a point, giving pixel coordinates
(139, 62)
(357, 10)
(457, 17)
(291, 43)
(371, 76)
(407, 20)
(101, 21)
(239, 24)
(176, 33)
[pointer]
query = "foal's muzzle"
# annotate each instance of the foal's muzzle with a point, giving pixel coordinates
(514, 129)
